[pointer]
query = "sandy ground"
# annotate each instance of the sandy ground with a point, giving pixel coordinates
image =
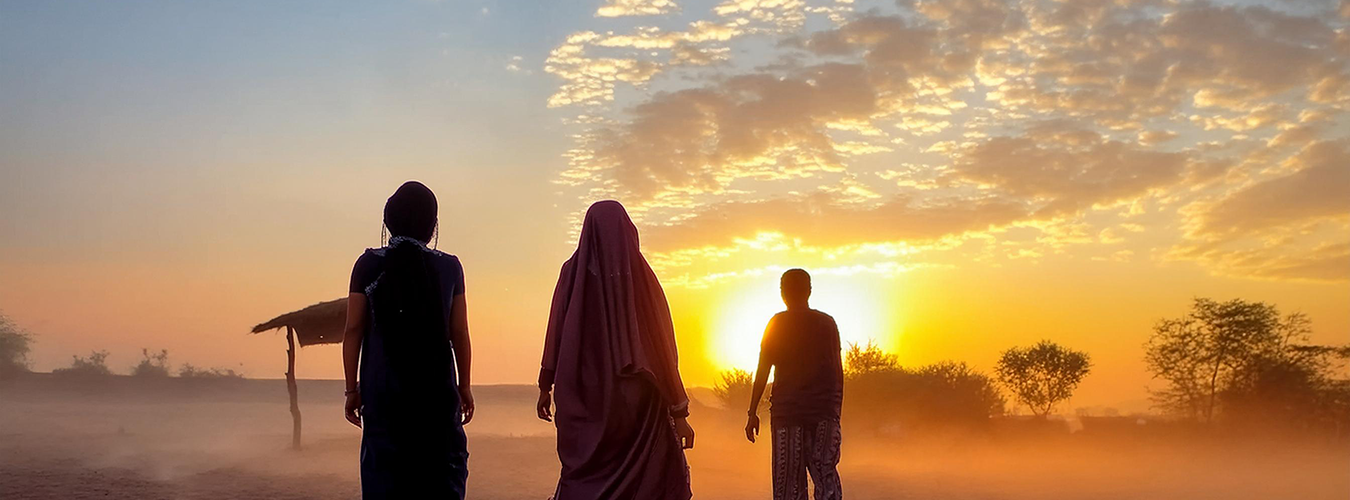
(175, 439)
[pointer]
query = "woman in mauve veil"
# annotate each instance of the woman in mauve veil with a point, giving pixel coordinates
(610, 368)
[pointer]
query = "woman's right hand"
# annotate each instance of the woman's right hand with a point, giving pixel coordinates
(353, 408)
(545, 406)
(685, 432)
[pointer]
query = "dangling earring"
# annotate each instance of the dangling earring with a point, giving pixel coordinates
(382, 234)
(436, 235)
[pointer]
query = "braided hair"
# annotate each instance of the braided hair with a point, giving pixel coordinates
(407, 300)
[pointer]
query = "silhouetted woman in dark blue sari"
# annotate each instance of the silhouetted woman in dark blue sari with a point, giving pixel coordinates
(408, 332)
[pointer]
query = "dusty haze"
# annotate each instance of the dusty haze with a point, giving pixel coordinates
(124, 438)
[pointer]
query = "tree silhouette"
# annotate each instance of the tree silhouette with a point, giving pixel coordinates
(1213, 346)
(14, 347)
(1042, 375)
(1248, 363)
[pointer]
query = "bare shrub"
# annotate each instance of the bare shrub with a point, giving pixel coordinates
(734, 388)
(189, 371)
(96, 365)
(870, 358)
(152, 365)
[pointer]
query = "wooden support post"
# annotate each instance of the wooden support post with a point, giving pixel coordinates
(291, 387)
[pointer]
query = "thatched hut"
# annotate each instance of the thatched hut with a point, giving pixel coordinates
(320, 323)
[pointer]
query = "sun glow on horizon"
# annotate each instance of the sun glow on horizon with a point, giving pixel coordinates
(859, 306)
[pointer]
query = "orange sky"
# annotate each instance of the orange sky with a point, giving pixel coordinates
(960, 177)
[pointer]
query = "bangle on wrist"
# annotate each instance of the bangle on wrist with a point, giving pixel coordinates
(349, 392)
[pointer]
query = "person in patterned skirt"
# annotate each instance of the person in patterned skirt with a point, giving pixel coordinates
(801, 346)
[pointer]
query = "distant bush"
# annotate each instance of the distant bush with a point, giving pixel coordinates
(959, 393)
(868, 359)
(947, 394)
(95, 365)
(15, 344)
(1295, 389)
(189, 371)
(879, 393)
(734, 388)
(152, 365)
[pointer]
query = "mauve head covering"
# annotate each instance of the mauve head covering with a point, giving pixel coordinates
(628, 310)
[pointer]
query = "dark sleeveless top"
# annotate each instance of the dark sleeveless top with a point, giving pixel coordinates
(412, 441)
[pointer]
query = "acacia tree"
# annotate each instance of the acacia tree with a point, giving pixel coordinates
(1042, 375)
(1213, 346)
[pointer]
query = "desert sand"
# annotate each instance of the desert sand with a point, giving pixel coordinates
(124, 438)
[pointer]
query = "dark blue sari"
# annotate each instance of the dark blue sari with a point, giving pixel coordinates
(413, 443)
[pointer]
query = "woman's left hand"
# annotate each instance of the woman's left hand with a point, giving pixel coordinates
(352, 409)
(465, 404)
(685, 432)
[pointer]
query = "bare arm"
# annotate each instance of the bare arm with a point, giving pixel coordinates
(459, 341)
(352, 336)
(761, 381)
(762, 371)
(757, 390)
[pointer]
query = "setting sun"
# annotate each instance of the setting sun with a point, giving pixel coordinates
(859, 306)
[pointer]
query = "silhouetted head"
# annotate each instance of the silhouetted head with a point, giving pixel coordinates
(411, 212)
(607, 223)
(407, 298)
(796, 287)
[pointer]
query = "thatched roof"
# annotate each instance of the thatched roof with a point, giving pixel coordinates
(320, 323)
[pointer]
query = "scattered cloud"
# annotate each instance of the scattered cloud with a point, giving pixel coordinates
(620, 8)
(1216, 130)
(1270, 227)
(1155, 137)
(822, 220)
(1315, 189)
(1071, 177)
(515, 65)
